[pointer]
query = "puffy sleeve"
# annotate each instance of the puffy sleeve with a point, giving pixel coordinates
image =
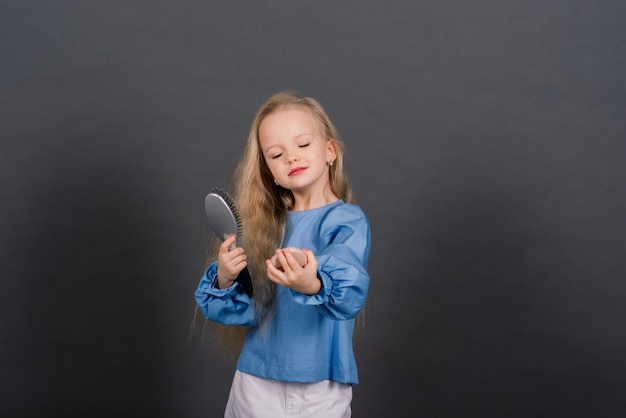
(342, 260)
(229, 306)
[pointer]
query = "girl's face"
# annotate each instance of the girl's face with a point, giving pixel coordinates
(296, 152)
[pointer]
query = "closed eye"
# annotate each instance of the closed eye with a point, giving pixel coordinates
(304, 145)
(276, 156)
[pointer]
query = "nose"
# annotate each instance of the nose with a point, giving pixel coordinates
(293, 157)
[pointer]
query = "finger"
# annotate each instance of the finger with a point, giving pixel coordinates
(235, 257)
(310, 258)
(273, 273)
(228, 242)
(282, 260)
(291, 260)
(230, 256)
(240, 265)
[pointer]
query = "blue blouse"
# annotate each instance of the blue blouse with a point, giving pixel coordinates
(309, 338)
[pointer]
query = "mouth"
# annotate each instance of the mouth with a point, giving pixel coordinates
(297, 171)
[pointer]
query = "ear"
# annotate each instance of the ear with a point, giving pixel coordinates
(331, 151)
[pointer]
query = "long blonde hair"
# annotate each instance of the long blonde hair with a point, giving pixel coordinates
(263, 205)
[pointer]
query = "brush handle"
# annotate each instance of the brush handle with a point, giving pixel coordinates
(245, 281)
(244, 277)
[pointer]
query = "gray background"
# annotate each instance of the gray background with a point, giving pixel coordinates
(486, 143)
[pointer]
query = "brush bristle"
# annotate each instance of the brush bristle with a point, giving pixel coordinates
(231, 204)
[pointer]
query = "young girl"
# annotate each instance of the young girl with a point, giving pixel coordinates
(291, 191)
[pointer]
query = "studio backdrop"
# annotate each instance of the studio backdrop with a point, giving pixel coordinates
(485, 141)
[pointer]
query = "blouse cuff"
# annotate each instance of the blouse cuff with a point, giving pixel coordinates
(211, 285)
(321, 296)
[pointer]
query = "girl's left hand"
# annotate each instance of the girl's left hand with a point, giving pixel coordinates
(301, 279)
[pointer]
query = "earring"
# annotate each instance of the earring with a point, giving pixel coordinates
(331, 163)
(276, 183)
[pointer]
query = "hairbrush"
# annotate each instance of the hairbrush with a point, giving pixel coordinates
(225, 221)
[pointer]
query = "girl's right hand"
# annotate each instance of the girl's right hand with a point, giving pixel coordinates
(230, 262)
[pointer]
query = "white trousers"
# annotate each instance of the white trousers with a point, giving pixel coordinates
(255, 397)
